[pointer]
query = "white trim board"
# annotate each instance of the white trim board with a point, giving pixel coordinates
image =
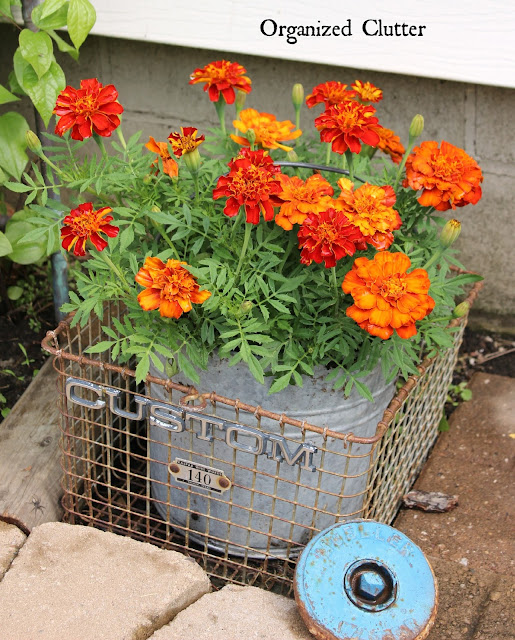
(467, 41)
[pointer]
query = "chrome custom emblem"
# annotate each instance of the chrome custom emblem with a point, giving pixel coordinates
(174, 418)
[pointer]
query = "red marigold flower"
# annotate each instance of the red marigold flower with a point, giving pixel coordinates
(267, 129)
(389, 143)
(302, 197)
(92, 108)
(222, 77)
(170, 166)
(329, 93)
(367, 92)
(83, 223)
(251, 183)
(369, 208)
(327, 236)
(186, 141)
(448, 177)
(346, 125)
(168, 287)
(386, 297)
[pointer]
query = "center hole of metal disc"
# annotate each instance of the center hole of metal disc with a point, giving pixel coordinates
(370, 585)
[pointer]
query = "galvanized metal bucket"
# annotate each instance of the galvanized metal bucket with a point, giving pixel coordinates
(272, 506)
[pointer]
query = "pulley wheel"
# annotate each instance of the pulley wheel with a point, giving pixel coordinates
(364, 580)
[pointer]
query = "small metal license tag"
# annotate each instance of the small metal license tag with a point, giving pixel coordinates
(199, 475)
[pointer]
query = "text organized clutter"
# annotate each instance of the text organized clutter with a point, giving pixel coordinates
(371, 27)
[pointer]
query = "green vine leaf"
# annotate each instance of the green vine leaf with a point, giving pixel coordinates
(62, 45)
(5, 246)
(42, 91)
(12, 143)
(45, 19)
(37, 50)
(6, 96)
(81, 18)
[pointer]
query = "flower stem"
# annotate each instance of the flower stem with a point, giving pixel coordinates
(121, 138)
(246, 239)
(220, 110)
(336, 290)
(116, 270)
(166, 238)
(292, 241)
(436, 256)
(328, 154)
(350, 163)
(403, 163)
(100, 142)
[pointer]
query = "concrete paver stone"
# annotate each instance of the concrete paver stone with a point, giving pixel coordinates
(11, 539)
(237, 613)
(71, 582)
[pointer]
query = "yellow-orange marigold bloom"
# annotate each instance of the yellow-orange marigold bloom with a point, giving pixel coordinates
(222, 77)
(267, 129)
(168, 287)
(367, 92)
(347, 125)
(386, 297)
(170, 166)
(390, 143)
(329, 93)
(302, 197)
(370, 208)
(186, 141)
(448, 177)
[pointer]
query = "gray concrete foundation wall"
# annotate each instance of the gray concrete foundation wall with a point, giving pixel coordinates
(152, 81)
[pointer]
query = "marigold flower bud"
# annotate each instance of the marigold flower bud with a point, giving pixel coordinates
(33, 142)
(241, 97)
(155, 209)
(450, 232)
(192, 160)
(292, 156)
(461, 310)
(147, 179)
(297, 95)
(246, 306)
(250, 134)
(416, 126)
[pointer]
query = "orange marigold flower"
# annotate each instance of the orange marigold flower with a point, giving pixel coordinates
(327, 236)
(367, 92)
(168, 287)
(170, 166)
(329, 93)
(300, 197)
(83, 223)
(92, 108)
(386, 297)
(222, 77)
(267, 129)
(186, 141)
(369, 208)
(346, 125)
(389, 143)
(251, 183)
(448, 177)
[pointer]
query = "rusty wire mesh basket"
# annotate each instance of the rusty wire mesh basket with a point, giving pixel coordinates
(245, 521)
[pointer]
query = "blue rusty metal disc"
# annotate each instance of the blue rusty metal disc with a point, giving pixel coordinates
(363, 580)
